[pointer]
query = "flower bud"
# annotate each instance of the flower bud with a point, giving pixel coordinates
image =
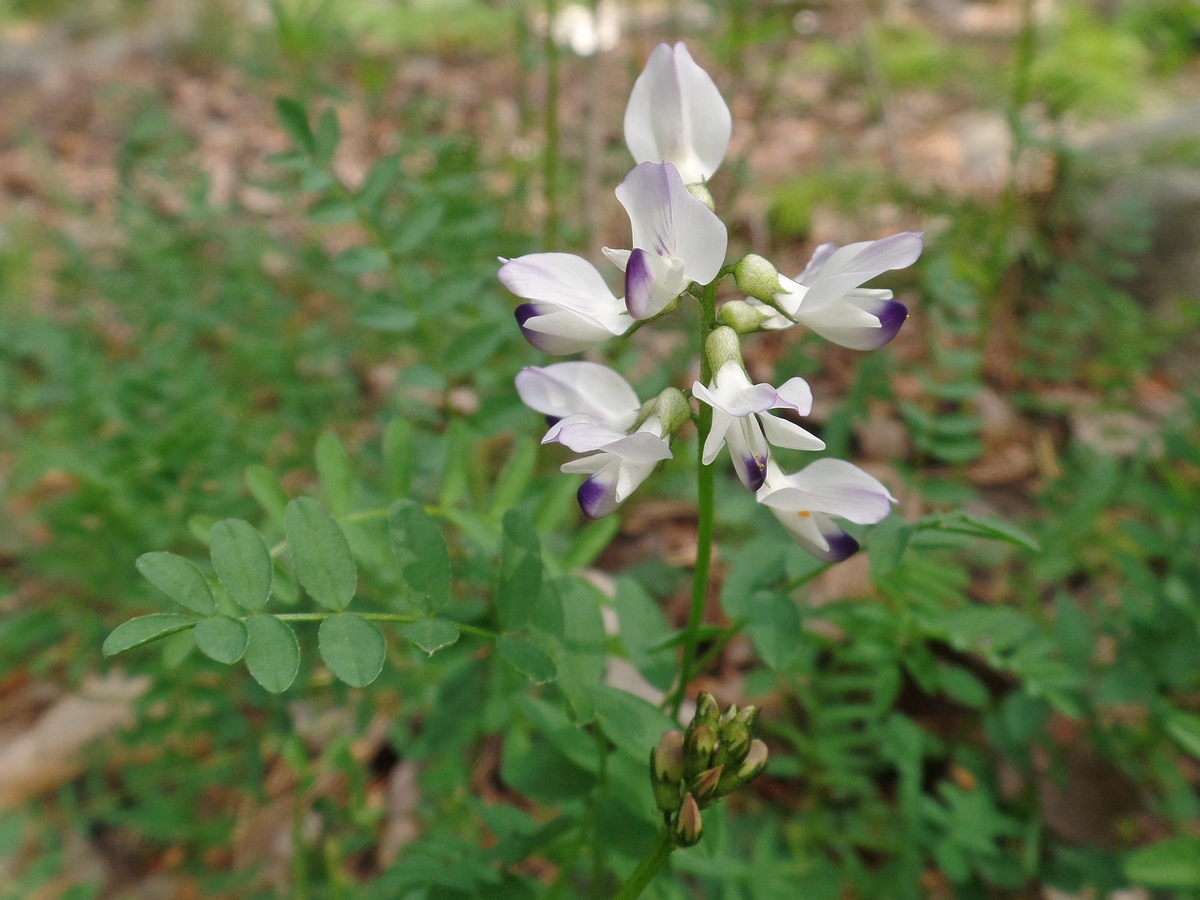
(722, 346)
(666, 760)
(673, 410)
(667, 795)
(754, 763)
(741, 317)
(732, 750)
(700, 191)
(689, 826)
(757, 278)
(747, 717)
(707, 710)
(727, 717)
(704, 788)
(698, 749)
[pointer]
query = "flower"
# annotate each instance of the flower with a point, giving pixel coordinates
(676, 239)
(826, 296)
(676, 115)
(572, 388)
(572, 307)
(739, 420)
(805, 501)
(619, 461)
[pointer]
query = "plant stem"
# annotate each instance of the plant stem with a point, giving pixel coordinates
(647, 868)
(704, 491)
(550, 154)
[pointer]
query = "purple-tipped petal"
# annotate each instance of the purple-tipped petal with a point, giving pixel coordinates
(569, 388)
(841, 546)
(751, 471)
(853, 265)
(891, 318)
(547, 343)
(597, 497)
(639, 285)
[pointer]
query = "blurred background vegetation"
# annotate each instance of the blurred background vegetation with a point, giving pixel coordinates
(188, 292)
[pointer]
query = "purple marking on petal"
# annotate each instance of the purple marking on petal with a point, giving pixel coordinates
(752, 472)
(538, 339)
(841, 546)
(591, 496)
(639, 285)
(551, 421)
(891, 317)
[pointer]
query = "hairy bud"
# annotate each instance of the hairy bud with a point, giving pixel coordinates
(722, 346)
(666, 760)
(757, 278)
(741, 317)
(700, 191)
(673, 410)
(707, 710)
(704, 788)
(698, 748)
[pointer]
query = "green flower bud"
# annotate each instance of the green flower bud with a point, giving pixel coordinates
(667, 795)
(698, 748)
(737, 776)
(741, 317)
(747, 717)
(689, 826)
(666, 760)
(722, 346)
(704, 787)
(727, 717)
(673, 410)
(732, 750)
(757, 278)
(707, 710)
(700, 191)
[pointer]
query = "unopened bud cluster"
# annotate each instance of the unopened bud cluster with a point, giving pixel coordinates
(714, 757)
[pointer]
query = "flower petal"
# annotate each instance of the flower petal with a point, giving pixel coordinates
(721, 422)
(619, 258)
(850, 266)
(796, 394)
(835, 487)
(597, 496)
(582, 434)
(749, 451)
(782, 433)
(818, 535)
(669, 221)
(858, 321)
(651, 283)
(560, 331)
(819, 258)
(566, 388)
(563, 279)
(676, 115)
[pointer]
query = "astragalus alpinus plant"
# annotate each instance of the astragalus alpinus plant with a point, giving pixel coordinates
(501, 637)
(678, 128)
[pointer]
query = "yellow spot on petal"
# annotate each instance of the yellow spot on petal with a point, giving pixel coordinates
(804, 514)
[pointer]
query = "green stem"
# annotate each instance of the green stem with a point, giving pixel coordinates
(705, 486)
(402, 618)
(647, 868)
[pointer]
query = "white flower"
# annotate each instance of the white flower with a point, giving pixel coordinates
(676, 115)
(619, 462)
(676, 239)
(826, 296)
(572, 307)
(571, 388)
(740, 420)
(804, 503)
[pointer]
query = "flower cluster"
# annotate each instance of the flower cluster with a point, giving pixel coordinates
(716, 756)
(678, 127)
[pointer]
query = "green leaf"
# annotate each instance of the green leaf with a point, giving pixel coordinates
(978, 526)
(143, 630)
(332, 211)
(378, 180)
(399, 452)
(590, 543)
(272, 653)
(887, 542)
(267, 491)
(961, 685)
(419, 547)
(222, 638)
(514, 477)
(294, 119)
(1185, 729)
(321, 554)
(630, 722)
(327, 136)
(431, 635)
(520, 582)
(1173, 863)
(417, 226)
(333, 469)
(242, 562)
(456, 463)
(361, 260)
(643, 625)
(179, 579)
(353, 648)
(775, 628)
(526, 659)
